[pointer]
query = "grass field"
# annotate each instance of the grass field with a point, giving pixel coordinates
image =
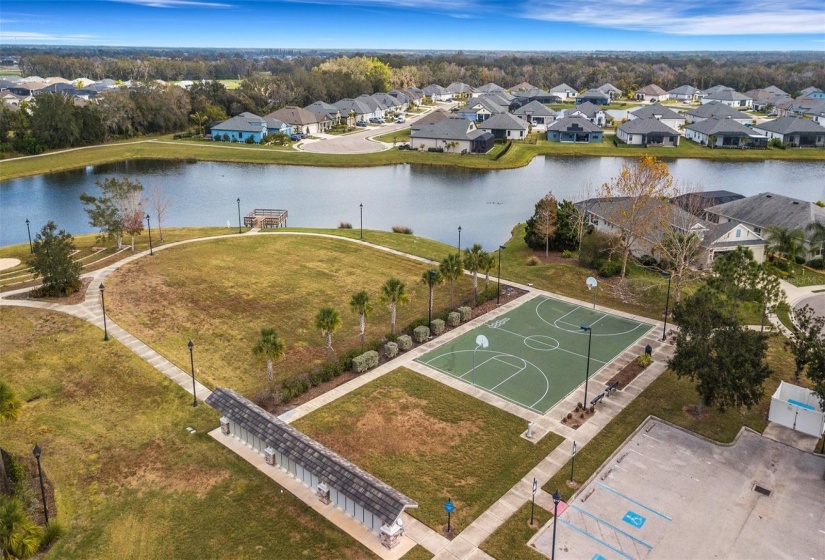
(537, 352)
(221, 293)
(430, 442)
(130, 481)
(509, 542)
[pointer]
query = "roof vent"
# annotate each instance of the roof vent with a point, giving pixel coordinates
(768, 196)
(762, 490)
(795, 202)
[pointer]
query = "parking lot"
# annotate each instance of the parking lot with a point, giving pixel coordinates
(670, 494)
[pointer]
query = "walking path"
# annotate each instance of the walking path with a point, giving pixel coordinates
(465, 546)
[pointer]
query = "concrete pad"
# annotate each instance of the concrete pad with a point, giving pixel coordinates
(783, 434)
(460, 547)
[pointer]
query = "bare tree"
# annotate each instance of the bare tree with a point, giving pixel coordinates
(546, 219)
(584, 194)
(133, 216)
(159, 204)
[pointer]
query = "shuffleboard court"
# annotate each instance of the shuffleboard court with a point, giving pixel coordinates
(537, 352)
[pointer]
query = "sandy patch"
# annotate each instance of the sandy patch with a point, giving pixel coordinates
(7, 263)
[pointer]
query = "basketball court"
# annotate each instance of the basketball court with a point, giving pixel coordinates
(537, 353)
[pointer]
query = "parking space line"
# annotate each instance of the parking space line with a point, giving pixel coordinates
(640, 504)
(603, 522)
(589, 536)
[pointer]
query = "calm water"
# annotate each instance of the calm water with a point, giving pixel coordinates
(431, 201)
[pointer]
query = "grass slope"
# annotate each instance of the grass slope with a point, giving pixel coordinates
(509, 541)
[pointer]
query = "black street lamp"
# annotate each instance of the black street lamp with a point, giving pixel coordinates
(431, 276)
(498, 297)
(572, 462)
(29, 230)
(36, 452)
(361, 209)
(239, 214)
(533, 504)
(192, 363)
(556, 500)
(667, 304)
(103, 305)
(588, 330)
(459, 241)
(149, 225)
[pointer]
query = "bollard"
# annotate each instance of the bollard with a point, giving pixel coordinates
(529, 434)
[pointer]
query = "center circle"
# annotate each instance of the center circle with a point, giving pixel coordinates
(541, 342)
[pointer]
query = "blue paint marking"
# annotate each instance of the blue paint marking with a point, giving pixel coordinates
(598, 557)
(634, 519)
(603, 522)
(800, 404)
(589, 536)
(629, 499)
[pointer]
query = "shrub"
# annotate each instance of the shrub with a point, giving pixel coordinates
(249, 140)
(437, 326)
(782, 265)
(466, 313)
(345, 361)
(421, 334)
(569, 415)
(330, 371)
(647, 260)
(608, 268)
(595, 248)
(532, 261)
(391, 350)
(799, 260)
(776, 143)
(402, 229)
(404, 342)
(365, 361)
(436, 150)
(51, 532)
(567, 254)
(345, 225)
(316, 377)
(454, 318)
(644, 360)
(817, 263)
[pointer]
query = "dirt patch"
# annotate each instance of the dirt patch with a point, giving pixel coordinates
(73, 299)
(508, 293)
(628, 374)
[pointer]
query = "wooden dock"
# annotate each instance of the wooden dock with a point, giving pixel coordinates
(265, 218)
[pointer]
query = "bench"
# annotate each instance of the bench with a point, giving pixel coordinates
(598, 399)
(611, 388)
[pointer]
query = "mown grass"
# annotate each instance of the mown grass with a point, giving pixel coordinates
(418, 553)
(130, 481)
(509, 541)
(220, 293)
(673, 399)
(430, 442)
(397, 136)
(802, 276)
(410, 244)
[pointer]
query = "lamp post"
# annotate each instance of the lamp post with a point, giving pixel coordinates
(239, 214)
(103, 305)
(192, 363)
(498, 297)
(588, 330)
(667, 304)
(572, 462)
(29, 230)
(459, 241)
(36, 452)
(533, 505)
(149, 225)
(361, 209)
(556, 500)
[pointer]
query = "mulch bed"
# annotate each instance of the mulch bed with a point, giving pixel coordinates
(75, 298)
(577, 420)
(628, 374)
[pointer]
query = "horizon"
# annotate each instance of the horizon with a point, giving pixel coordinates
(417, 25)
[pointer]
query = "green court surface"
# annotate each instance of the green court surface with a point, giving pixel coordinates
(537, 353)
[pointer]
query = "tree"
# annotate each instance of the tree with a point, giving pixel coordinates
(133, 216)
(269, 349)
(451, 269)
(431, 278)
(680, 244)
(817, 233)
(119, 198)
(19, 536)
(725, 360)
(393, 293)
(637, 197)
(806, 339)
(9, 404)
(328, 320)
(486, 265)
(360, 303)
(160, 204)
(51, 259)
(788, 242)
(200, 120)
(734, 275)
(541, 227)
(53, 121)
(771, 294)
(472, 262)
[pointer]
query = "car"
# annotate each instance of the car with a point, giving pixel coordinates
(360, 123)
(375, 120)
(400, 119)
(296, 137)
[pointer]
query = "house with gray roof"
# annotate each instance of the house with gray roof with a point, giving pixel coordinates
(453, 134)
(765, 98)
(696, 202)
(535, 113)
(536, 94)
(669, 117)
(505, 126)
(574, 129)
(302, 120)
(460, 88)
(565, 92)
(488, 88)
(812, 92)
(612, 91)
(730, 98)
(337, 482)
(794, 132)
(646, 132)
(713, 90)
(594, 96)
(479, 109)
(685, 93)
(330, 111)
(376, 108)
(724, 133)
(437, 93)
(355, 108)
(246, 127)
(522, 86)
(767, 209)
(275, 126)
(651, 93)
(594, 113)
(389, 103)
(719, 111)
(432, 117)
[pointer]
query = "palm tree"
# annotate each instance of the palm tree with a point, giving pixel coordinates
(200, 120)
(789, 242)
(393, 292)
(431, 278)
(486, 265)
(451, 269)
(9, 405)
(472, 262)
(19, 536)
(328, 321)
(268, 349)
(817, 231)
(361, 304)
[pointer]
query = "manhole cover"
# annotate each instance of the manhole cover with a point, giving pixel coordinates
(761, 489)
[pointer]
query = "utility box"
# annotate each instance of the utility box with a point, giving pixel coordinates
(269, 453)
(323, 493)
(224, 425)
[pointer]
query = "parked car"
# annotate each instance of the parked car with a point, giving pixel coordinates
(296, 136)
(360, 123)
(400, 119)
(374, 120)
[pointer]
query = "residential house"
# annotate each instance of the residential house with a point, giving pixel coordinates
(594, 113)
(764, 98)
(685, 93)
(302, 120)
(436, 93)
(460, 88)
(669, 117)
(479, 109)
(812, 92)
(716, 89)
(649, 131)
(612, 91)
(594, 96)
(503, 98)
(565, 92)
(355, 108)
(794, 132)
(488, 88)
(12, 100)
(574, 129)
(718, 111)
(332, 112)
(730, 98)
(505, 126)
(535, 113)
(764, 210)
(651, 93)
(724, 133)
(277, 126)
(240, 128)
(376, 108)
(697, 202)
(521, 87)
(536, 94)
(453, 134)
(389, 103)
(432, 117)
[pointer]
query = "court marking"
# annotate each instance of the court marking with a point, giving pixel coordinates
(598, 540)
(521, 336)
(640, 504)
(603, 522)
(577, 329)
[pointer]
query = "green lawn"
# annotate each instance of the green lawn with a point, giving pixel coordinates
(398, 136)
(430, 442)
(220, 293)
(130, 481)
(509, 541)
(803, 276)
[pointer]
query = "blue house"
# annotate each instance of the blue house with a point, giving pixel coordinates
(240, 128)
(574, 129)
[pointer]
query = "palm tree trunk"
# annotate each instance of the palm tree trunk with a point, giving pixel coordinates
(392, 318)
(270, 373)
(451, 293)
(363, 321)
(475, 285)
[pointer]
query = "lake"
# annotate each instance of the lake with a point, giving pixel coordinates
(433, 201)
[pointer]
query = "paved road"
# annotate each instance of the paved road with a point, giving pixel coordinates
(817, 303)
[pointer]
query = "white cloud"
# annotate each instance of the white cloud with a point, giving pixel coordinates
(175, 3)
(431, 5)
(34, 36)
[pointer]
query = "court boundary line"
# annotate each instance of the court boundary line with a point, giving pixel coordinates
(576, 307)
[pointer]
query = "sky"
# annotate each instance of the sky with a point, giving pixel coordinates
(535, 25)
